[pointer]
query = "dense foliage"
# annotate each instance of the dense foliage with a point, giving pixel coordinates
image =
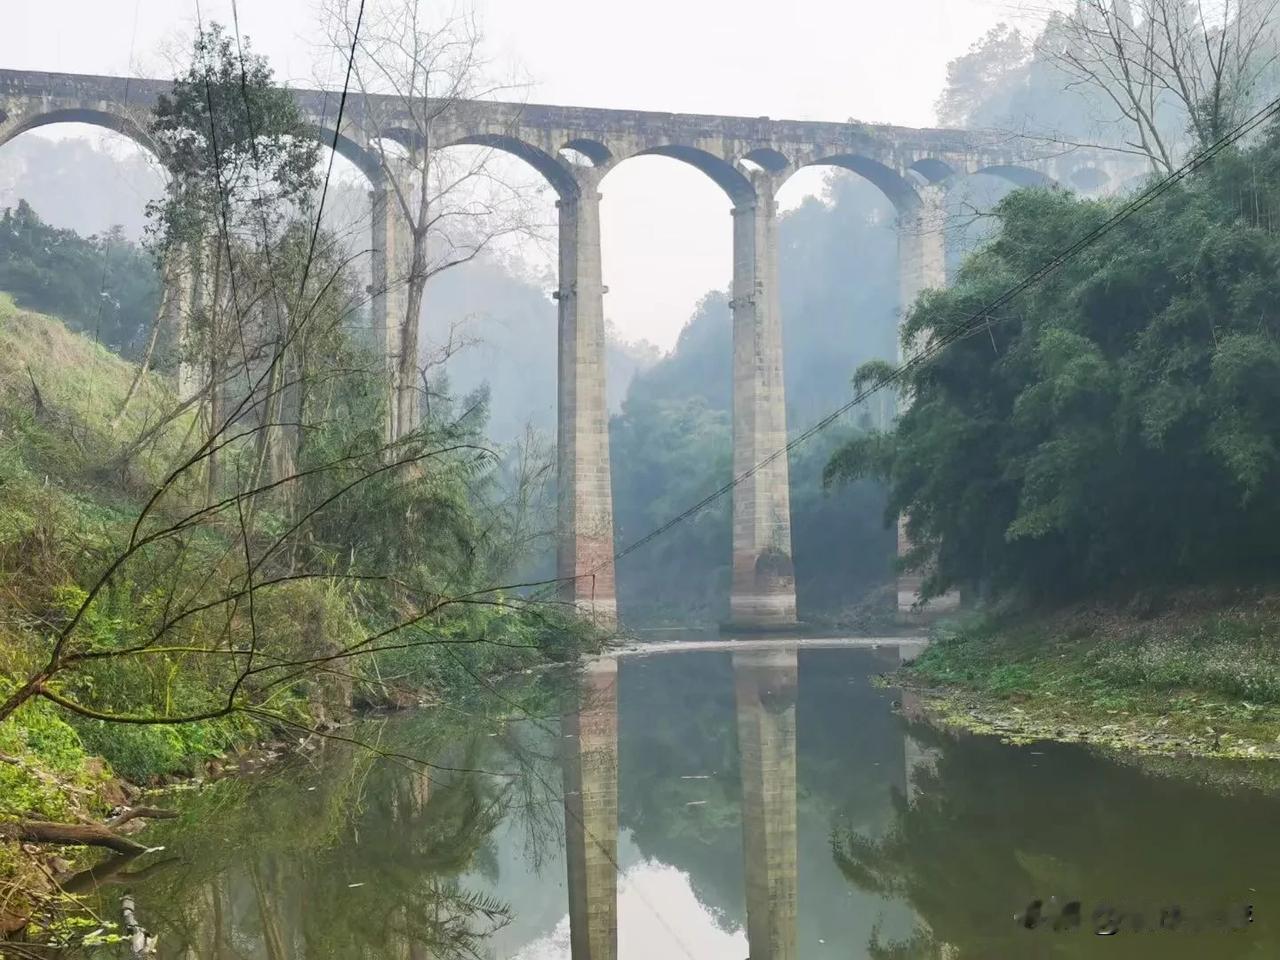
(1117, 424)
(105, 286)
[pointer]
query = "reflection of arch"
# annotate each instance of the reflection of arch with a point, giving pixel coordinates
(593, 150)
(1019, 176)
(890, 182)
(347, 148)
(730, 180)
(98, 118)
(550, 167)
(933, 170)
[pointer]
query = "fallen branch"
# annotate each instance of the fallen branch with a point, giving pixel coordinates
(145, 813)
(70, 834)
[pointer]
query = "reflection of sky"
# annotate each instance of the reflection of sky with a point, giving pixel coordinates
(658, 916)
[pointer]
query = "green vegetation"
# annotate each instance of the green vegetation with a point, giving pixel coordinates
(1202, 677)
(1111, 433)
(104, 286)
(72, 484)
(1115, 426)
(191, 564)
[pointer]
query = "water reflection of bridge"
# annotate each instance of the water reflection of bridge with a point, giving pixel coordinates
(766, 683)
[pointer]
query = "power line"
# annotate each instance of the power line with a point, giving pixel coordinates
(981, 320)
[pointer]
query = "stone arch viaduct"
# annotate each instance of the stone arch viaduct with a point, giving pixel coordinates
(574, 148)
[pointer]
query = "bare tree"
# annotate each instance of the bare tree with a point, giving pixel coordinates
(1173, 68)
(416, 78)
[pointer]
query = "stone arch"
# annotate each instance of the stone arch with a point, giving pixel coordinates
(364, 160)
(897, 188)
(723, 173)
(117, 123)
(1018, 176)
(593, 150)
(770, 159)
(932, 169)
(552, 168)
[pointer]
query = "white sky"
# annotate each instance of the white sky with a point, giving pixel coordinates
(666, 226)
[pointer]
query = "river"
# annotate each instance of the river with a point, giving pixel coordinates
(769, 800)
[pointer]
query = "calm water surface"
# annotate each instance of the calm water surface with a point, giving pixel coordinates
(714, 805)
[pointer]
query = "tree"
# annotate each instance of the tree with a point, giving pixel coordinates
(1115, 426)
(976, 77)
(103, 286)
(240, 161)
(1173, 69)
(415, 79)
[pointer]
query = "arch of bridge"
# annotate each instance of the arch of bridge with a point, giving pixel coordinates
(18, 122)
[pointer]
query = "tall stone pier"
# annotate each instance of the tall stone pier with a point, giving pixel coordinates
(388, 287)
(585, 536)
(763, 592)
(590, 766)
(922, 265)
(765, 687)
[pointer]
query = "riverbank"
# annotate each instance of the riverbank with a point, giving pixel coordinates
(166, 635)
(1194, 675)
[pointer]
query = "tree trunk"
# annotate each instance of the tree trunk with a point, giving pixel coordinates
(70, 834)
(406, 392)
(273, 938)
(168, 295)
(217, 389)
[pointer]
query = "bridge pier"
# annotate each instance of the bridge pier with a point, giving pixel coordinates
(584, 546)
(388, 293)
(763, 592)
(922, 265)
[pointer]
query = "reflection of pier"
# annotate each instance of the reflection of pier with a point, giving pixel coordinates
(590, 752)
(765, 684)
(917, 759)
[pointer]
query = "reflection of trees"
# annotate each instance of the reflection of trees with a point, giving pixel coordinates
(395, 885)
(676, 720)
(355, 857)
(992, 827)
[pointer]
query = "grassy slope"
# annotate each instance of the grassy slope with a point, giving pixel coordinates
(52, 499)
(1199, 677)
